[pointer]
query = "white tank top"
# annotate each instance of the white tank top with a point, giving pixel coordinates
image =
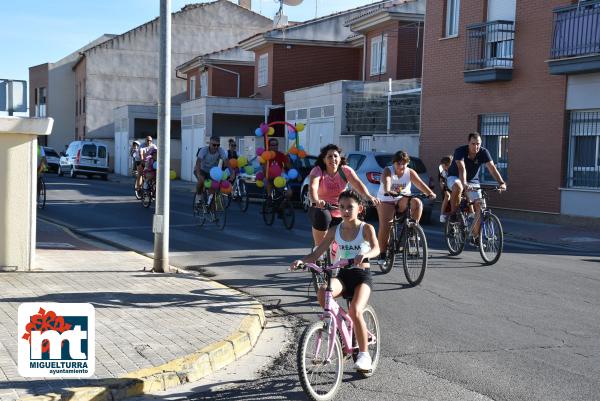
(349, 249)
(400, 184)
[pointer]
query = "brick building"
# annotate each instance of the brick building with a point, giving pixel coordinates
(525, 75)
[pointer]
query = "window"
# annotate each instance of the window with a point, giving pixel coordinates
(452, 13)
(263, 69)
(355, 160)
(101, 152)
(204, 84)
(192, 88)
(584, 149)
(378, 55)
(88, 150)
(494, 137)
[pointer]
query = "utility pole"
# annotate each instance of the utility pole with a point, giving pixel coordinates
(160, 225)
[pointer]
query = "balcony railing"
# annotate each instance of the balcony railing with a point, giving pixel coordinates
(576, 30)
(489, 52)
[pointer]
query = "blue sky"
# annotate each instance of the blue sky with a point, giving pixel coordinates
(38, 31)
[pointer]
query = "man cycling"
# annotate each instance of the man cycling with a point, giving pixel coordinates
(463, 175)
(41, 166)
(207, 158)
(281, 160)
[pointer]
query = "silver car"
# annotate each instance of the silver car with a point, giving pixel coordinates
(369, 167)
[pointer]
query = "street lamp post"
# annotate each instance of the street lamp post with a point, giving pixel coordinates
(160, 225)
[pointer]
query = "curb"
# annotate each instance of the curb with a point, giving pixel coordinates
(189, 368)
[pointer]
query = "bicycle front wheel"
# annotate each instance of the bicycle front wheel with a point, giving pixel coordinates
(288, 215)
(220, 210)
(455, 236)
(320, 377)
(146, 197)
(268, 211)
(491, 239)
(414, 255)
(199, 209)
(372, 323)
(41, 198)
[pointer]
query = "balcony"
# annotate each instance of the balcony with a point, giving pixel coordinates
(576, 39)
(489, 53)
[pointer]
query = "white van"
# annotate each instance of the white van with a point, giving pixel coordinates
(85, 158)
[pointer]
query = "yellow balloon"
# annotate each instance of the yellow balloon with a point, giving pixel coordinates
(172, 174)
(271, 131)
(279, 182)
(242, 161)
(260, 184)
(299, 127)
(261, 160)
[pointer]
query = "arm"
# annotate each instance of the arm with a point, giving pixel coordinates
(323, 246)
(197, 167)
(359, 186)
(494, 171)
(415, 179)
(313, 190)
(462, 172)
(386, 178)
(371, 238)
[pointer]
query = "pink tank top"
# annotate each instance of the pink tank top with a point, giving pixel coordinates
(330, 187)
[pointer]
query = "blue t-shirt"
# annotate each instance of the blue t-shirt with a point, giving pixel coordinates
(472, 166)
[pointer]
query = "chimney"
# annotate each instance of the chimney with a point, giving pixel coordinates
(246, 4)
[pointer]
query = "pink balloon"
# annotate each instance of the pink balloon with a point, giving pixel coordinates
(264, 128)
(215, 184)
(259, 151)
(260, 175)
(274, 170)
(225, 184)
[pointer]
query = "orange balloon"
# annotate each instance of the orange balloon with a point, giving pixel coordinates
(301, 154)
(233, 163)
(293, 150)
(268, 154)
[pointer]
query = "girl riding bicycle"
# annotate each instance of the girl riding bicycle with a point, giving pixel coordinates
(357, 241)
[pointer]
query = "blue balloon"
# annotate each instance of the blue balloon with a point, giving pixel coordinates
(292, 136)
(292, 173)
(258, 132)
(285, 176)
(216, 173)
(293, 157)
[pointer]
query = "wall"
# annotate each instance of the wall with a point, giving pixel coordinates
(125, 70)
(223, 83)
(80, 98)
(38, 78)
(266, 91)
(534, 99)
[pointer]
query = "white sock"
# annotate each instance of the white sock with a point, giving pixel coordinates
(363, 353)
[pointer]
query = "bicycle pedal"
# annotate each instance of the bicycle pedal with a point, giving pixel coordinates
(367, 371)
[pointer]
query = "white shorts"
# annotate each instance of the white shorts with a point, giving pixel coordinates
(472, 195)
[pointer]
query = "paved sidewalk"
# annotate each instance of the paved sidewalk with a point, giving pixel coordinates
(153, 331)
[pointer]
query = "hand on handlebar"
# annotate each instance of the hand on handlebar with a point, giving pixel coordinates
(296, 265)
(502, 187)
(358, 260)
(373, 200)
(432, 196)
(319, 203)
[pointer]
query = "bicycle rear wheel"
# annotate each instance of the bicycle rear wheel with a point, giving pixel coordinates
(372, 323)
(491, 239)
(268, 211)
(243, 196)
(414, 255)
(220, 209)
(320, 378)
(455, 235)
(227, 199)
(146, 197)
(199, 209)
(41, 196)
(288, 215)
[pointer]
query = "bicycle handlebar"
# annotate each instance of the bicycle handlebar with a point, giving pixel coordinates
(336, 265)
(396, 194)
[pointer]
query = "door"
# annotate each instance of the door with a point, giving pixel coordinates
(198, 142)
(187, 154)
(88, 155)
(102, 159)
(320, 133)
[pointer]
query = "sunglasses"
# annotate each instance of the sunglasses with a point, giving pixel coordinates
(215, 145)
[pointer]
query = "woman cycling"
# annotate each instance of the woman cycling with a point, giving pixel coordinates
(328, 179)
(397, 178)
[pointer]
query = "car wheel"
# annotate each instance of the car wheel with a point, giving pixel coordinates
(59, 171)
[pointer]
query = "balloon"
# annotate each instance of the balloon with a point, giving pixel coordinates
(260, 184)
(279, 182)
(155, 165)
(259, 176)
(302, 154)
(258, 132)
(225, 175)
(267, 155)
(242, 161)
(225, 185)
(292, 136)
(274, 170)
(233, 163)
(249, 170)
(172, 174)
(284, 175)
(207, 183)
(271, 131)
(259, 151)
(261, 160)
(215, 185)
(216, 173)
(293, 150)
(293, 173)
(299, 127)
(293, 157)
(264, 128)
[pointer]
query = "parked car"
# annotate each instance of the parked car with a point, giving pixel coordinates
(52, 159)
(302, 165)
(87, 158)
(369, 167)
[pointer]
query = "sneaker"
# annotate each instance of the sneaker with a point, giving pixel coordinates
(474, 241)
(363, 362)
(443, 218)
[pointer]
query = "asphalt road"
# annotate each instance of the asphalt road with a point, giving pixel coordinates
(527, 328)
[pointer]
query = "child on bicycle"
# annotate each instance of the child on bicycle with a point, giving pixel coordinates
(445, 163)
(356, 240)
(149, 167)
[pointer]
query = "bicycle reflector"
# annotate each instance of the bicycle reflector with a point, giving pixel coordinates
(374, 177)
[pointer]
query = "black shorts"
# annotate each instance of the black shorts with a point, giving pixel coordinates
(321, 219)
(204, 174)
(352, 278)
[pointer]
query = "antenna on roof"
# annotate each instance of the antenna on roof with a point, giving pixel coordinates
(280, 19)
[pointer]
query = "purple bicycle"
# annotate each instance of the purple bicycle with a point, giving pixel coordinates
(321, 356)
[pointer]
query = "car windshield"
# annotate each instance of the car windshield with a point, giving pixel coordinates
(50, 152)
(415, 163)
